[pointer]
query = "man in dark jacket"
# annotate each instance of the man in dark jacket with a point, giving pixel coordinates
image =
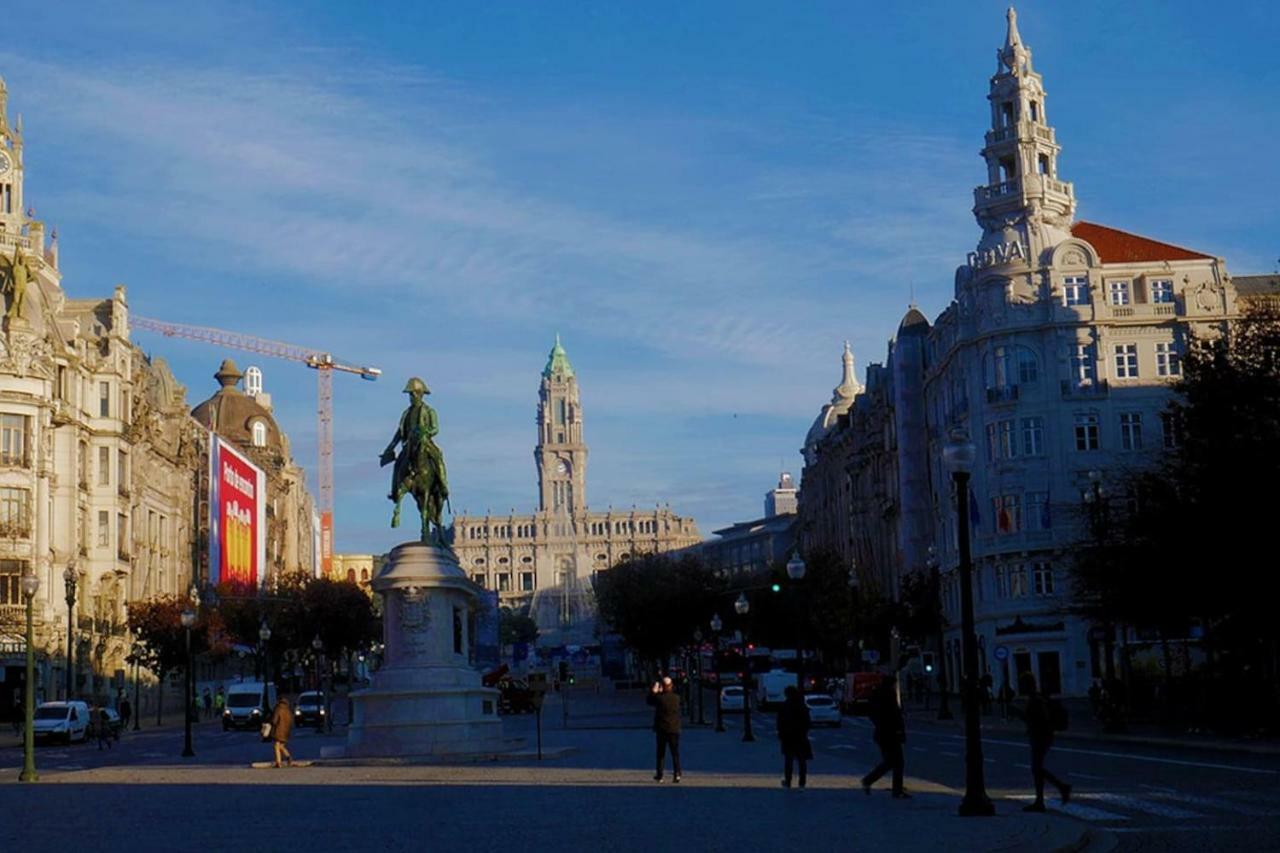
(666, 725)
(1040, 734)
(793, 731)
(890, 735)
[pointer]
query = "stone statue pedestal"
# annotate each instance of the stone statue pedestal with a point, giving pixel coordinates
(425, 700)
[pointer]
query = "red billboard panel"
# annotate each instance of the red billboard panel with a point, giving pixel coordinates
(237, 517)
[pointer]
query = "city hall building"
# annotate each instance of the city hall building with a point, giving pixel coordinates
(562, 545)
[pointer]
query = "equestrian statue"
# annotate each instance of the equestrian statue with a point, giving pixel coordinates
(419, 467)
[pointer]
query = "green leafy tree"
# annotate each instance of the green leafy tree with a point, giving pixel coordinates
(161, 640)
(655, 602)
(516, 626)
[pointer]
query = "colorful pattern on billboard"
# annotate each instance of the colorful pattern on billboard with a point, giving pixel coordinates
(237, 517)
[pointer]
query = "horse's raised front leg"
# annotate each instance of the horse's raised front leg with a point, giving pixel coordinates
(395, 516)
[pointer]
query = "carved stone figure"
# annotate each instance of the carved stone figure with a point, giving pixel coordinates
(419, 468)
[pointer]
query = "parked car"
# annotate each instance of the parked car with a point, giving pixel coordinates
(823, 710)
(64, 721)
(310, 709)
(731, 697)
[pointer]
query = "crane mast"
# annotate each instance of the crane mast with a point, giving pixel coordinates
(318, 360)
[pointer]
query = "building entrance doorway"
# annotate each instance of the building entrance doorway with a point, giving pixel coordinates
(1050, 673)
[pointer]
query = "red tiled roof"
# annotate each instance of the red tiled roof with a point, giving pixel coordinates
(1118, 247)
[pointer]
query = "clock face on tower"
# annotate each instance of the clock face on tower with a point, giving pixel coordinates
(562, 467)
(5, 163)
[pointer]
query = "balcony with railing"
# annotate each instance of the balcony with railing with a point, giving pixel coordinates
(19, 459)
(1072, 389)
(995, 191)
(15, 528)
(1002, 394)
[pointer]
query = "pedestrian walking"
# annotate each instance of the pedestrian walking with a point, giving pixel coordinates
(281, 728)
(666, 726)
(219, 702)
(207, 701)
(1040, 720)
(793, 732)
(19, 711)
(890, 735)
(988, 694)
(102, 726)
(126, 711)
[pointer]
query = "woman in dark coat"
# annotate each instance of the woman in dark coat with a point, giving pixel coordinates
(890, 735)
(793, 731)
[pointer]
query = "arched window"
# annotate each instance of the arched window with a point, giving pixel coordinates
(351, 575)
(364, 574)
(259, 434)
(253, 381)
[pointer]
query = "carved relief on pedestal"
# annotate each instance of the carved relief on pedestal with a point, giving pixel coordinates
(415, 621)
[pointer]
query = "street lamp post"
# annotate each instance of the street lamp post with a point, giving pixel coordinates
(958, 456)
(935, 585)
(264, 634)
(742, 607)
(188, 622)
(317, 645)
(795, 571)
(137, 687)
(69, 581)
(697, 640)
(716, 625)
(30, 584)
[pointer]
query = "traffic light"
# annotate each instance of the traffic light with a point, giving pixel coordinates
(927, 657)
(564, 671)
(776, 587)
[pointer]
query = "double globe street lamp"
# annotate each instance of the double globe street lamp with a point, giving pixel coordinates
(69, 578)
(264, 634)
(958, 455)
(795, 571)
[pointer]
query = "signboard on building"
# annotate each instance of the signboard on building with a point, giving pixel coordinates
(237, 517)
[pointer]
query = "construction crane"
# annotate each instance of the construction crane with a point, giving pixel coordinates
(322, 362)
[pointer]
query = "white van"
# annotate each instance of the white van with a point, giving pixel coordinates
(246, 702)
(65, 721)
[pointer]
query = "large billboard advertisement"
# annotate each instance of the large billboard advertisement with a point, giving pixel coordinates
(237, 517)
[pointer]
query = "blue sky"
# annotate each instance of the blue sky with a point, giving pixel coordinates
(703, 199)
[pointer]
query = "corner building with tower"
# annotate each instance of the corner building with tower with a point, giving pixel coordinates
(1057, 355)
(563, 545)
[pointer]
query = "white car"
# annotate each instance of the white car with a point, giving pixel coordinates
(823, 710)
(731, 698)
(65, 721)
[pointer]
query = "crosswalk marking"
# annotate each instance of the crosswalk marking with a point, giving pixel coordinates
(1155, 808)
(1216, 803)
(1076, 810)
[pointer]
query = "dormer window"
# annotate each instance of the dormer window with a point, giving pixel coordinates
(1035, 111)
(259, 434)
(1043, 163)
(1007, 114)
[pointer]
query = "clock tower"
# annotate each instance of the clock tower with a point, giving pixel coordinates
(11, 216)
(560, 454)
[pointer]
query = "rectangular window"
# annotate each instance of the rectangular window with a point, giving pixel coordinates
(477, 578)
(104, 528)
(124, 406)
(1082, 364)
(1028, 368)
(1032, 436)
(1002, 582)
(104, 466)
(1042, 578)
(122, 472)
(1075, 290)
(13, 440)
(11, 572)
(526, 581)
(1126, 361)
(1017, 581)
(504, 581)
(1007, 443)
(1131, 430)
(1086, 425)
(1036, 511)
(1162, 291)
(122, 534)
(1119, 291)
(993, 444)
(1168, 362)
(15, 513)
(1172, 434)
(1008, 513)
(104, 399)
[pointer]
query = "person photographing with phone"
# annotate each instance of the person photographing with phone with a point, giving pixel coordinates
(666, 725)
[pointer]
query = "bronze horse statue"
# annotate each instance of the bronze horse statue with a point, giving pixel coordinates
(419, 467)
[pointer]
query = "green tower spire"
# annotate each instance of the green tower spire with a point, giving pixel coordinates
(558, 361)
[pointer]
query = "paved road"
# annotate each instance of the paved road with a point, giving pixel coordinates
(1150, 798)
(1147, 798)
